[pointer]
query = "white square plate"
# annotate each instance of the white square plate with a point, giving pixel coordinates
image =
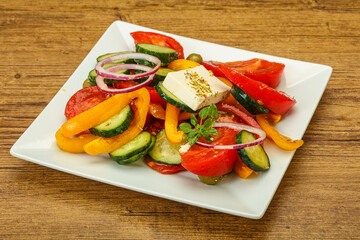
(247, 198)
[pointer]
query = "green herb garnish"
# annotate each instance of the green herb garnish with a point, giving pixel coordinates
(205, 129)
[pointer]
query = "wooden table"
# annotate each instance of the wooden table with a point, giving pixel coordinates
(43, 42)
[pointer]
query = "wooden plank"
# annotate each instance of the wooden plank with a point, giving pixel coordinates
(42, 43)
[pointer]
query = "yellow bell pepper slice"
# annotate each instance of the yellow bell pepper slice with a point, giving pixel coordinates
(273, 118)
(226, 81)
(182, 64)
(281, 141)
(107, 145)
(171, 124)
(95, 115)
(73, 145)
(85, 120)
(242, 170)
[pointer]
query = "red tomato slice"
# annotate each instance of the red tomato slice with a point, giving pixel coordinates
(257, 69)
(155, 97)
(83, 100)
(158, 39)
(209, 162)
(163, 168)
(260, 70)
(155, 126)
(124, 84)
(277, 101)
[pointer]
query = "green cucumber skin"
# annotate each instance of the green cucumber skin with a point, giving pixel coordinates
(133, 152)
(246, 159)
(118, 130)
(92, 76)
(165, 151)
(172, 101)
(165, 57)
(144, 62)
(247, 102)
(159, 76)
(102, 57)
(137, 156)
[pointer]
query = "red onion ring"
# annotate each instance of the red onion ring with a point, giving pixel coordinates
(103, 87)
(238, 126)
(107, 73)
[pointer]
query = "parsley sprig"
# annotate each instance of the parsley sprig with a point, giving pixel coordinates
(206, 129)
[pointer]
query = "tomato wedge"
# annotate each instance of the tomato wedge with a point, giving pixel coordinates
(257, 69)
(260, 70)
(277, 101)
(83, 100)
(163, 168)
(209, 162)
(158, 39)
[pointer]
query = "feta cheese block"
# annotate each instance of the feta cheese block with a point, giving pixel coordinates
(196, 87)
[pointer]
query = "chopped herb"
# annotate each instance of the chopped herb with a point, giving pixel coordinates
(205, 129)
(198, 83)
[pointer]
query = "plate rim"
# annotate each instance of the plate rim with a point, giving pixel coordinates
(15, 150)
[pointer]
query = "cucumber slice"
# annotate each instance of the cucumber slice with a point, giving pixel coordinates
(132, 150)
(115, 125)
(144, 62)
(254, 157)
(165, 54)
(102, 57)
(171, 98)
(92, 76)
(165, 151)
(160, 75)
(247, 102)
(139, 155)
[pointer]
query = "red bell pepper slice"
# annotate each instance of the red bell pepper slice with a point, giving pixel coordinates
(214, 67)
(277, 101)
(158, 39)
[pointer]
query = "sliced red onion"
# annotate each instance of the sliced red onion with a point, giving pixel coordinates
(129, 66)
(109, 73)
(103, 87)
(237, 126)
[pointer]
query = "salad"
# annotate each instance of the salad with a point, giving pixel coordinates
(203, 116)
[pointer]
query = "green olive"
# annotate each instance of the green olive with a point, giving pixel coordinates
(211, 180)
(87, 83)
(195, 57)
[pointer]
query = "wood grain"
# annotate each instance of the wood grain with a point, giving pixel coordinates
(43, 42)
